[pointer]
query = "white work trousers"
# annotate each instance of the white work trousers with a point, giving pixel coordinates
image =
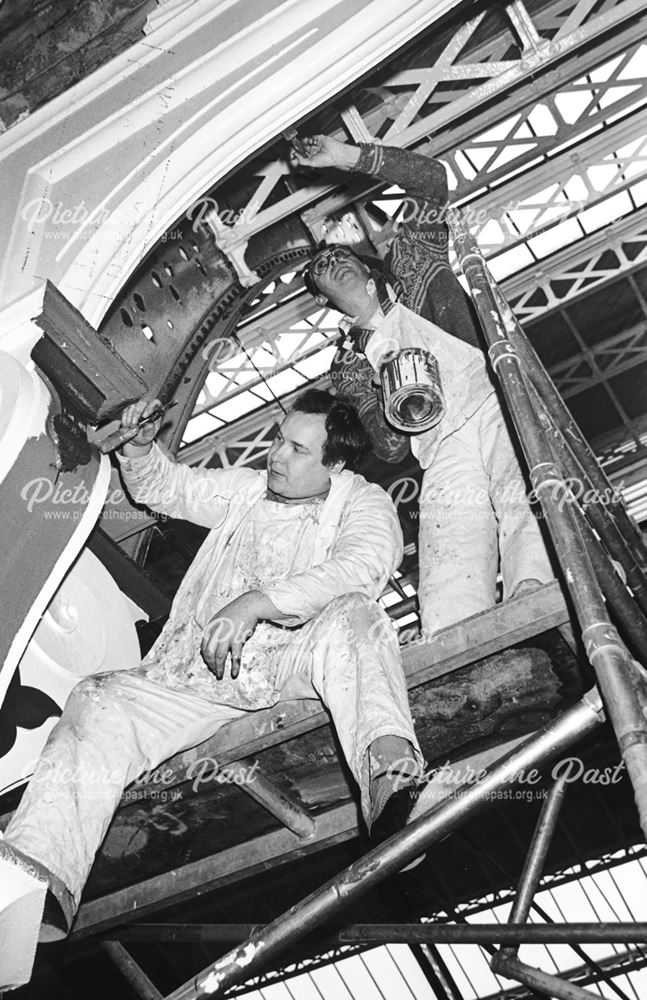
(117, 725)
(473, 491)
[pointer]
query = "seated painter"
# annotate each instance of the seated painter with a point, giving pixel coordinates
(473, 502)
(279, 602)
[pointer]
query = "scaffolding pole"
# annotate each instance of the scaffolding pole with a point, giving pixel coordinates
(244, 961)
(543, 424)
(622, 529)
(428, 933)
(131, 971)
(534, 864)
(554, 450)
(603, 521)
(505, 962)
(545, 982)
(605, 517)
(606, 652)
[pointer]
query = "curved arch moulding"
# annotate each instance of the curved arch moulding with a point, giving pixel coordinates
(91, 182)
(99, 174)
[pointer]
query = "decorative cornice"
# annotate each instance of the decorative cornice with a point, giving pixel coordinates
(150, 132)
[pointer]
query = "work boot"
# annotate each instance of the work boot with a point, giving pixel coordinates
(34, 906)
(394, 785)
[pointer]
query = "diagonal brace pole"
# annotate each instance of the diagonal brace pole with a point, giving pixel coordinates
(534, 864)
(244, 961)
(506, 962)
(611, 518)
(613, 666)
(132, 973)
(545, 982)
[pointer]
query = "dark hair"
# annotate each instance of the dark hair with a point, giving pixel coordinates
(346, 439)
(308, 278)
(375, 265)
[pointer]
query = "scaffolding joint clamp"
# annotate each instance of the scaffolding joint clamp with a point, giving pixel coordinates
(636, 737)
(502, 350)
(593, 700)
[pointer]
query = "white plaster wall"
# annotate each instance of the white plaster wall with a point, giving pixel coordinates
(93, 179)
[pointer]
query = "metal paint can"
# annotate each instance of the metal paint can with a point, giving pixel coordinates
(413, 395)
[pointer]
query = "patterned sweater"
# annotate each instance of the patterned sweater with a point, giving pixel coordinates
(419, 254)
(417, 266)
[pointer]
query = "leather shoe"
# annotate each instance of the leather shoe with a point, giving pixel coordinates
(394, 817)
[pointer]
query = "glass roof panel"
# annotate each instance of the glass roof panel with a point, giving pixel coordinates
(233, 409)
(510, 261)
(479, 155)
(197, 427)
(556, 238)
(317, 364)
(542, 119)
(571, 105)
(285, 381)
(635, 67)
(605, 71)
(605, 212)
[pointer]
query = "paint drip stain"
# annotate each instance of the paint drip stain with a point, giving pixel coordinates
(246, 954)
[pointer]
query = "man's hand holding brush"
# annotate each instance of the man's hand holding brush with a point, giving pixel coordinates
(140, 424)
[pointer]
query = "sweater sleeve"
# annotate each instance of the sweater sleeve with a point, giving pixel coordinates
(423, 179)
(366, 552)
(202, 496)
(418, 257)
(352, 377)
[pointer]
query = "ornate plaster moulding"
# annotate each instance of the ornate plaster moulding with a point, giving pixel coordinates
(100, 173)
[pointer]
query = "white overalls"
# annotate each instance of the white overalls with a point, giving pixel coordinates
(323, 563)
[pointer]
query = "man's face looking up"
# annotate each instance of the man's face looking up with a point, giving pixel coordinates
(295, 470)
(341, 277)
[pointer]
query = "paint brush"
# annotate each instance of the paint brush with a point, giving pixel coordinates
(124, 434)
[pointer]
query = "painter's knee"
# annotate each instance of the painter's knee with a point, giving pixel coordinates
(90, 699)
(354, 601)
(354, 609)
(367, 621)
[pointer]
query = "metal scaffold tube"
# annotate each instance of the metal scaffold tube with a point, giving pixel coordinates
(606, 652)
(547, 984)
(597, 510)
(428, 933)
(132, 973)
(603, 504)
(630, 618)
(504, 960)
(534, 864)
(625, 528)
(242, 962)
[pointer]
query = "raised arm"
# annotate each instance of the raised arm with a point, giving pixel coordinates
(423, 178)
(202, 496)
(153, 479)
(417, 257)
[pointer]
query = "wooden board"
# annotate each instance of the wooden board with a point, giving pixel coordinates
(467, 642)
(476, 694)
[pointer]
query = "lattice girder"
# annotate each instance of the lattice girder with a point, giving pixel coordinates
(613, 90)
(610, 357)
(290, 335)
(603, 257)
(564, 187)
(265, 320)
